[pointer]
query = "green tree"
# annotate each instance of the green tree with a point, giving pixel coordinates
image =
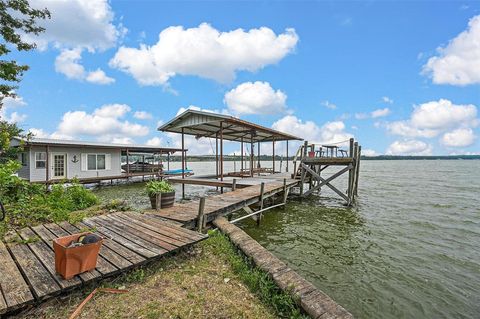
(16, 18)
(7, 132)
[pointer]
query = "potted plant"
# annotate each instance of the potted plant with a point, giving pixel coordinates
(154, 188)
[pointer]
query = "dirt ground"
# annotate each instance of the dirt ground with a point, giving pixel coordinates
(196, 283)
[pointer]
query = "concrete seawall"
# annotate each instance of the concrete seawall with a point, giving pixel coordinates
(312, 300)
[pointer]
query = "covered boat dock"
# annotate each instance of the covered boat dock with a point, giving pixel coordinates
(222, 128)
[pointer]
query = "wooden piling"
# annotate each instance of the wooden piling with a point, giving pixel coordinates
(201, 222)
(234, 184)
(262, 197)
(304, 155)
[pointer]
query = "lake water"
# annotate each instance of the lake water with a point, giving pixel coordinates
(410, 249)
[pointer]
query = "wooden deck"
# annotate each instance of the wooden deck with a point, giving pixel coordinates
(226, 203)
(27, 270)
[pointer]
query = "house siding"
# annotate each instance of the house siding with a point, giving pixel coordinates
(74, 169)
(24, 171)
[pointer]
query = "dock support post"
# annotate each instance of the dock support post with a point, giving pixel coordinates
(168, 161)
(359, 154)
(350, 172)
(285, 192)
(128, 165)
(241, 156)
(286, 169)
(273, 156)
(158, 201)
(221, 154)
(201, 217)
(252, 150)
(262, 194)
(234, 185)
(183, 163)
(258, 158)
(304, 155)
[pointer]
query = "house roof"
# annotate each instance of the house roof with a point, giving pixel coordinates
(208, 124)
(71, 143)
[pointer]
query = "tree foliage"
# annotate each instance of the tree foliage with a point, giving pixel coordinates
(16, 19)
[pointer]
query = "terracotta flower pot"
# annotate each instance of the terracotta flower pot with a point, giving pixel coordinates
(71, 261)
(168, 199)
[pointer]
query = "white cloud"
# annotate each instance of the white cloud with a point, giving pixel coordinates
(105, 122)
(255, 98)
(388, 100)
(443, 114)
(374, 114)
(16, 117)
(329, 105)
(68, 63)
(361, 116)
(155, 141)
(85, 24)
(142, 115)
(9, 103)
(461, 137)
(205, 52)
(380, 113)
(459, 62)
(75, 26)
(330, 132)
(433, 118)
(405, 128)
(122, 140)
(369, 152)
(40, 133)
(409, 147)
(99, 77)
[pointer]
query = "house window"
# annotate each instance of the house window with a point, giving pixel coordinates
(24, 159)
(40, 160)
(95, 162)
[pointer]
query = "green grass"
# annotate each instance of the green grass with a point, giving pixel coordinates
(258, 281)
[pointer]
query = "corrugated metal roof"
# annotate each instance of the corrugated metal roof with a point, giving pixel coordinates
(74, 143)
(208, 124)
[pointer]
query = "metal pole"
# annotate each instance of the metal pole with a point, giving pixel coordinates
(273, 157)
(241, 150)
(183, 163)
(221, 153)
(287, 158)
(216, 155)
(251, 155)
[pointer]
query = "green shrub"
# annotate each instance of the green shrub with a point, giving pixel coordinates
(156, 187)
(29, 204)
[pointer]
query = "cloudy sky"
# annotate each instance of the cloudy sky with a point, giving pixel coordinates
(402, 78)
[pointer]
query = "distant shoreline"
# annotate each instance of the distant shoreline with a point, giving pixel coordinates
(229, 158)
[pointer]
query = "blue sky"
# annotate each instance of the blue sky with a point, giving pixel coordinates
(401, 77)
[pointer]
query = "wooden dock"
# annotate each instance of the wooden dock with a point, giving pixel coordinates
(226, 203)
(27, 269)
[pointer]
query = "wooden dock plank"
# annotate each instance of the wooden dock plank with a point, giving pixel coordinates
(160, 232)
(145, 234)
(130, 236)
(103, 266)
(175, 232)
(37, 276)
(105, 251)
(13, 286)
(47, 258)
(120, 239)
(124, 251)
(48, 238)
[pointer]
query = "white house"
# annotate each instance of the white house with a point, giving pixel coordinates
(50, 160)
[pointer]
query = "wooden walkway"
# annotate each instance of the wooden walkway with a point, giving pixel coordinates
(226, 203)
(27, 270)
